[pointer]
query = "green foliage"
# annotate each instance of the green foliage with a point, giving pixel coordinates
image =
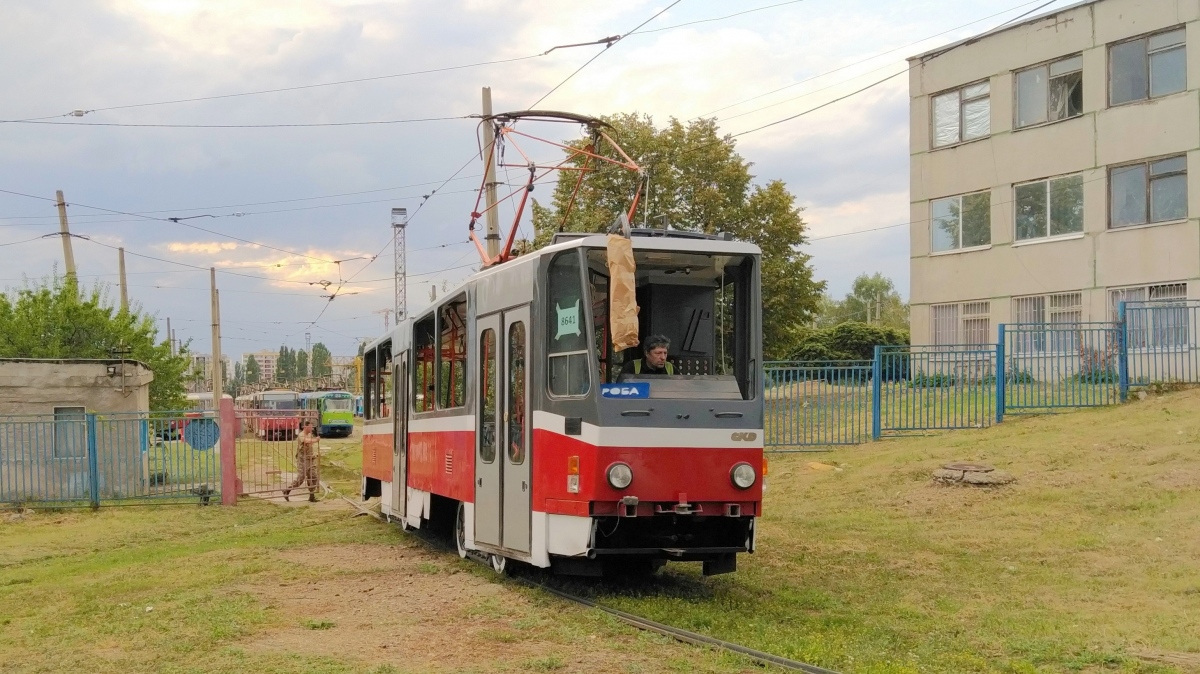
(849, 341)
(301, 365)
(872, 298)
(57, 319)
(698, 183)
(285, 366)
(935, 380)
(253, 372)
(321, 361)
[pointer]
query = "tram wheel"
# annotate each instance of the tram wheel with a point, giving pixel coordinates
(460, 531)
(499, 563)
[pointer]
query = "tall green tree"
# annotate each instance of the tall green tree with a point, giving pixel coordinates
(872, 299)
(698, 182)
(57, 319)
(321, 362)
(301, 365)
(285, 366)
(253, 371)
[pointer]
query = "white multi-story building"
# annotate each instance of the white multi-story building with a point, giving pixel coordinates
(266, 364)
(1052, 166)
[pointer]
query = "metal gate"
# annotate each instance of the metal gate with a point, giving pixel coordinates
(816, 404)
(267, 450)
(1050, 365)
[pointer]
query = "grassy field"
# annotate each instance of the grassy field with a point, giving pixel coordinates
(1090, 562)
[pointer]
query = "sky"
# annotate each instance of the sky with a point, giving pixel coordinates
(290, 214)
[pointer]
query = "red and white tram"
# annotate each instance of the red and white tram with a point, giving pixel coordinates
(502, 409)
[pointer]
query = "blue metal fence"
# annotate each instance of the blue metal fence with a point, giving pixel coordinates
(817, 403)
(79, 458)
(1033, 367)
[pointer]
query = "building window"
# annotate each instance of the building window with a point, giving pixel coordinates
(962, 222)
(1050, 207)
(1153, 191)
(968, 323)
(1165, 323)
(962, 114)
(1147, 67)
(1041, 320)
(1050, 92)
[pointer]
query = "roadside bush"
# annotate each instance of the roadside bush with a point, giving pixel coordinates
(847, 341)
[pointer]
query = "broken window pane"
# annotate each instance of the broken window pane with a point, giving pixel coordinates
(1031, 211)
(1031, 96)
(977, 119)
(976, 219)
(1168, 198)
(1127, 72)
(1128, 195)
(1168, 72)
(945, 214)
(1066, 205)
(945, 119)
(1066, 96)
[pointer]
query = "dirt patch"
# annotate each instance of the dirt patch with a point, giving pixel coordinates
(422, 611)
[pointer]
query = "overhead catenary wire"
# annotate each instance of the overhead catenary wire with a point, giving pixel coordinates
(296, 125)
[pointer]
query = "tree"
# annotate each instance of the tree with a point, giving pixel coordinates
(872, 299)
(239, 379)
(321, 361)
(56, 319)
(285, 366)
(698, 183)
(253, 371)
(301, 365)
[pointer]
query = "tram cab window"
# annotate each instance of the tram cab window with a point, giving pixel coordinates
(424, 380)
(452, 353)
(384, 381)
(704, 303)
(567, 341)
(370, 374)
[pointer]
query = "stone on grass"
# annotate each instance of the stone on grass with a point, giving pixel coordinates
(972, 474)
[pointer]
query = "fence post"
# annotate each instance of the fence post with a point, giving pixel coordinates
(1001, 384)
(876, 393)
(228, 432)
(1122, 352)
(93, 462)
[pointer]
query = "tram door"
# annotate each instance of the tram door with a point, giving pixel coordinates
(502, 467)
(487, 436)
(400, 386)
(517, 482)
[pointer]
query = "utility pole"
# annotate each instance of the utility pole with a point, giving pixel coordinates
(170, 336)
(216, 339)
(399, 225)
(489, 144)
(386, 313)
(124, 288)
(65, 231)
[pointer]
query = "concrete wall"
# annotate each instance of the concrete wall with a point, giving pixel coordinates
(1097, 259)
(37, 386)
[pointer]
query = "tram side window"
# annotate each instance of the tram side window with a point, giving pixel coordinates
(567, 341)
(370, 374)
(598, 284)
(487, 396)
(452, 353)
(384, 379)
(424, 344)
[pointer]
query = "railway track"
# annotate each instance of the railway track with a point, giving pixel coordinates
(639, 622)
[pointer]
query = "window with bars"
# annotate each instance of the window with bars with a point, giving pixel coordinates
(1165, 323)
(968, 323)
(963, 114)
(1042, 322)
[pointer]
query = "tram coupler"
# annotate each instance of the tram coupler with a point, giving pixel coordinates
(628, 506)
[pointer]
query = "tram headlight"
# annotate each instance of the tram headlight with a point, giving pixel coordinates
(742, 476)
(620, 475)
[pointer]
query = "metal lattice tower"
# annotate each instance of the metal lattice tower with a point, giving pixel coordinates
(399, 222)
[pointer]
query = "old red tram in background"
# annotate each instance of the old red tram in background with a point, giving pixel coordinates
(501, 409)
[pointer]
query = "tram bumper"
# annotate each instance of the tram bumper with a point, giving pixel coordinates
(713, 540)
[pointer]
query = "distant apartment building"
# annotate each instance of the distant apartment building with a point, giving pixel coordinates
(1052, 165)
(202, 365)
(266, 363)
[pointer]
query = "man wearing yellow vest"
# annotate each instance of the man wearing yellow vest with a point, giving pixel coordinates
(655, 359)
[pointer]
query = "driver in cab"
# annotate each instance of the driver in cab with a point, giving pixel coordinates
(654, 360)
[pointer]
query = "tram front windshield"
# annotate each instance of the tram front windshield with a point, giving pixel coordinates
(705, 304)
(339, 404)
(279, 401)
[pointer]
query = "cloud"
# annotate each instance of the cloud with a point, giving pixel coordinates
(209, 248)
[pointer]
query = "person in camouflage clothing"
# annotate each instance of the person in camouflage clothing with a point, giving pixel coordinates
(306, 462)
